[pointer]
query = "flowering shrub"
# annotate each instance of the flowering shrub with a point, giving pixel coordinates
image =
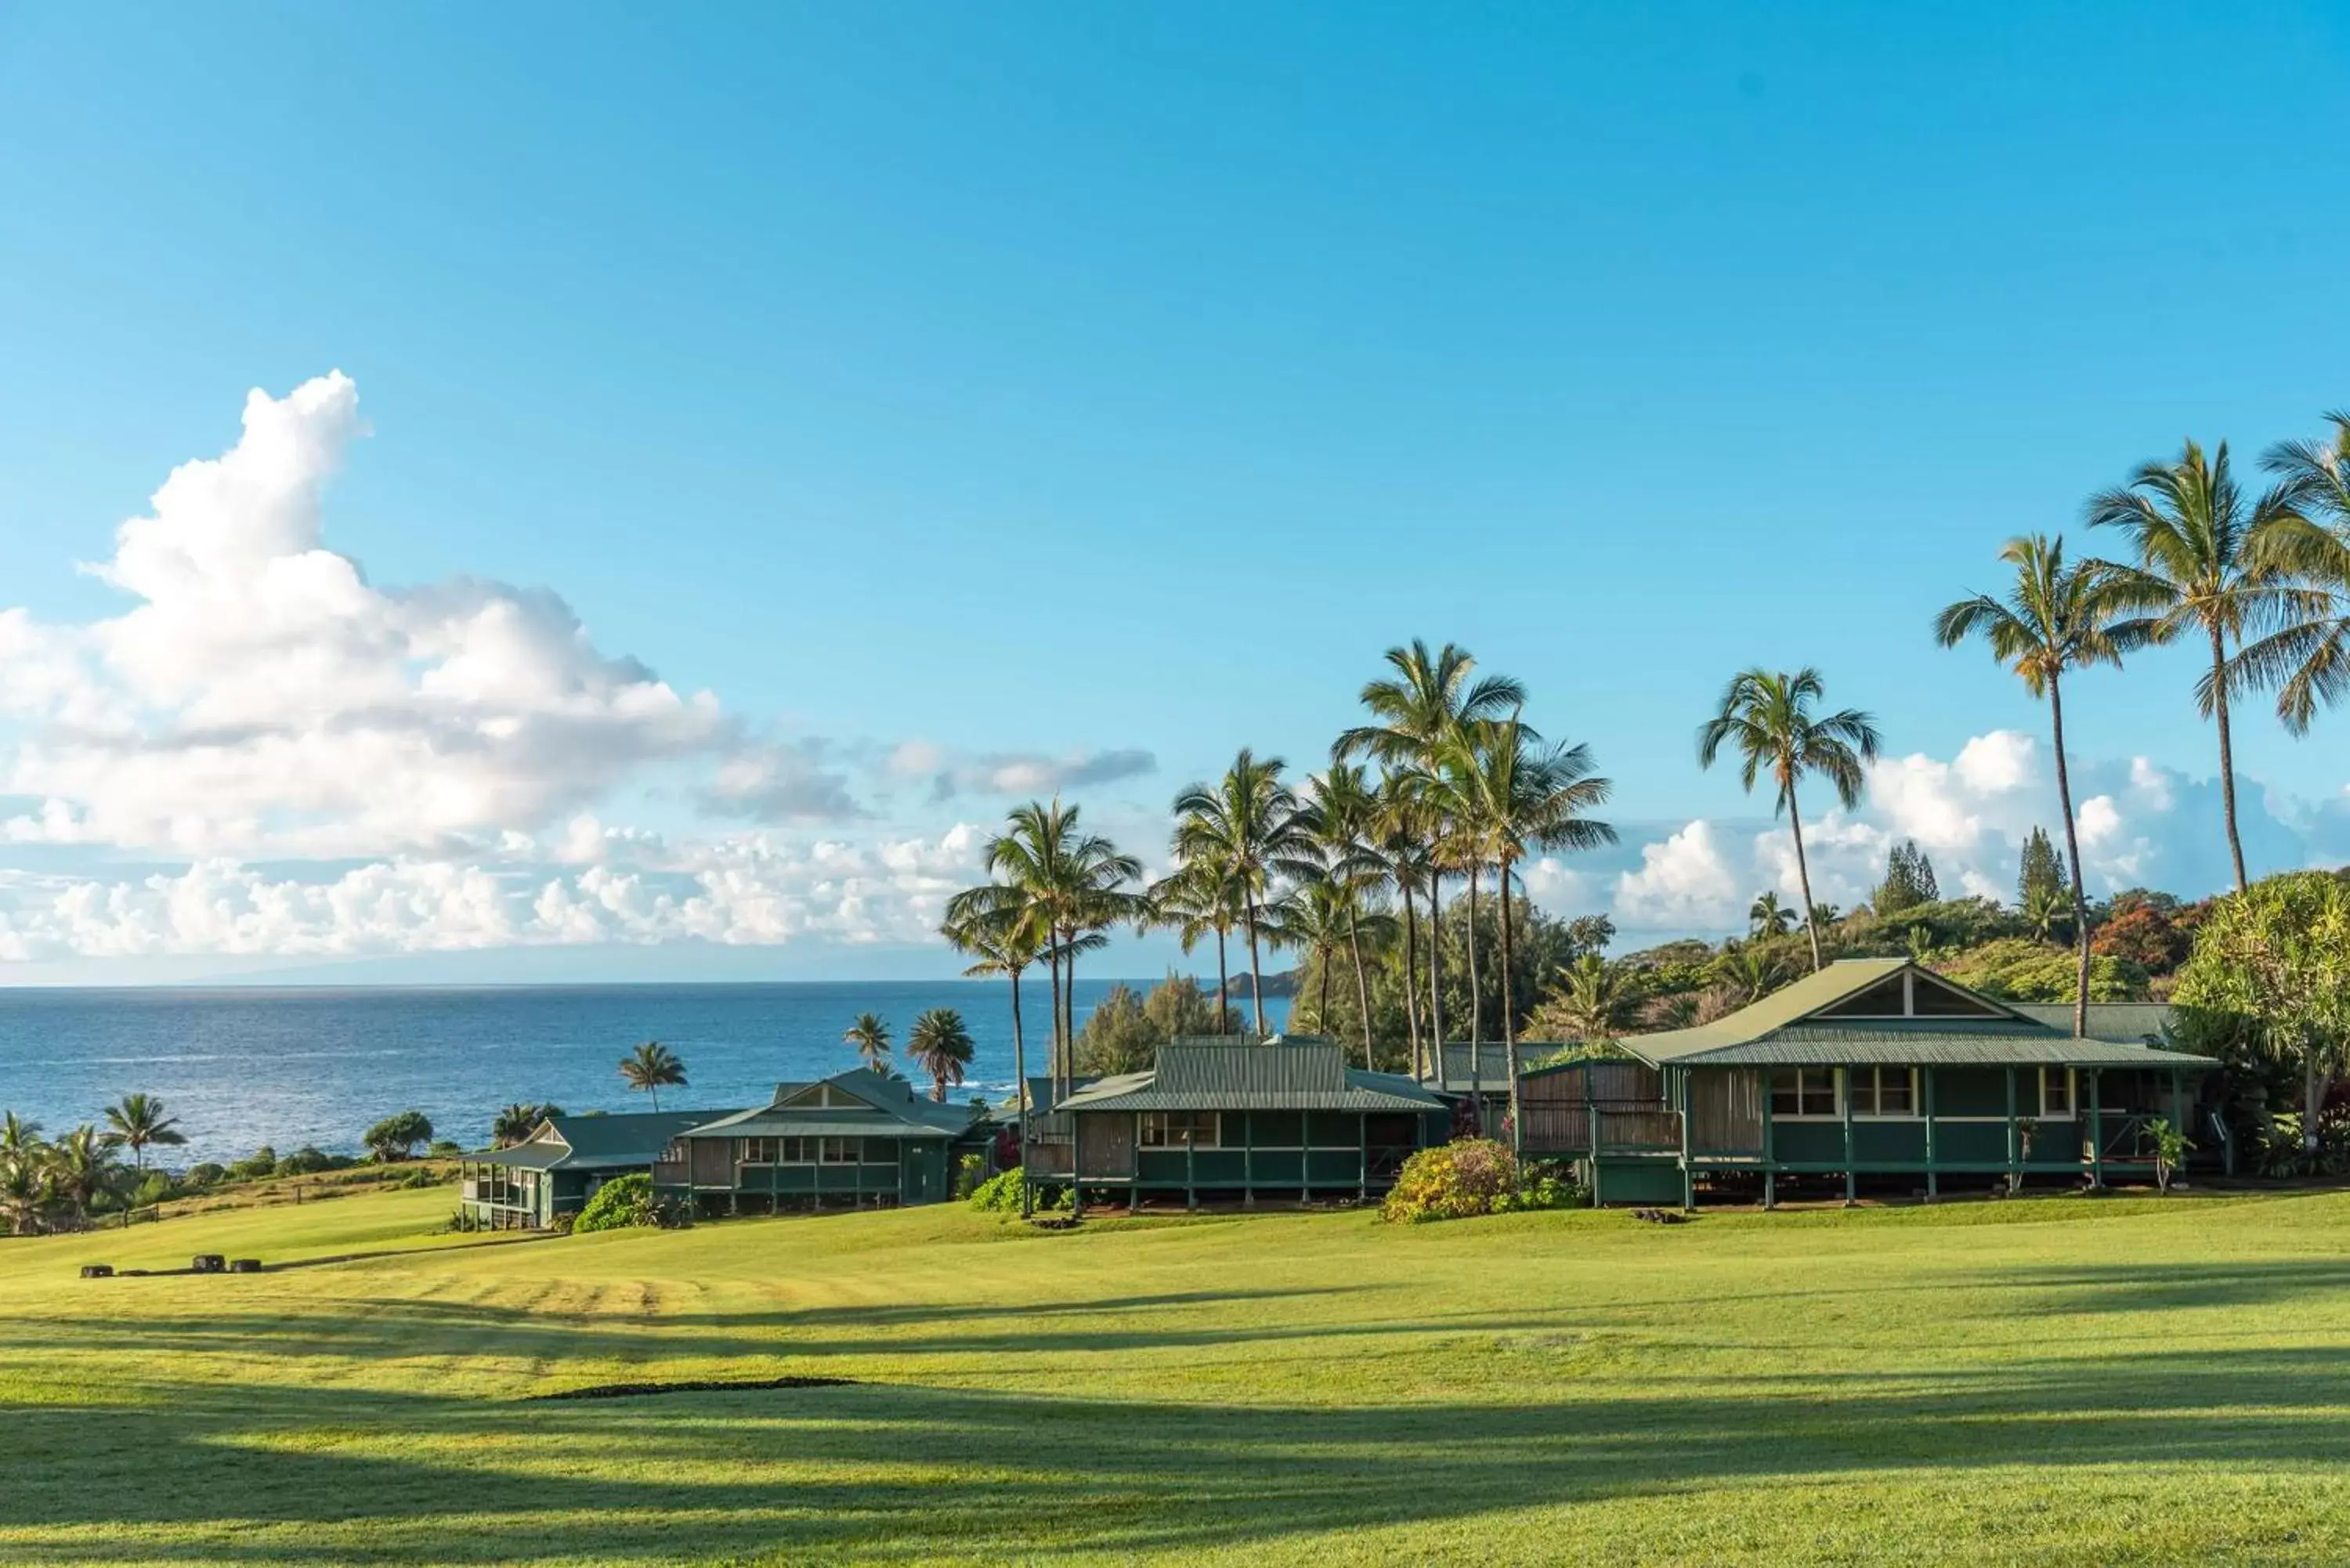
(1475, 1175)
(999, 1194)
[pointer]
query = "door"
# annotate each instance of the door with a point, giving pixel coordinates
(925, 1172)
(1106, 1144)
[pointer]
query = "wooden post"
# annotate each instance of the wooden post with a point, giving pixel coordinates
(2096, 1134)
(1771, 1146)
(1851, 1155)
(1190, 1174)
(1925, 1093)
(1248, 1160)
(2014, 1151)
(1689, 1172)
(1362, 1157)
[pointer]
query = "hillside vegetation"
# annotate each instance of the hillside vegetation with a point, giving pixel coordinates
(2060, 1381)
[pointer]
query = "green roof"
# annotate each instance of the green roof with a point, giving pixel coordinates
(1191, 1075)
(2131, 1021)
(598, 1143)
(886, 1107)
(1488, 1065)
(1784, 1029)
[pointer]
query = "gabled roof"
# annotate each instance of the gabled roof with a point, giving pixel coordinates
(598, 1142)
(1488, 1065)
(886, 1107)
(1207, 1076)
(2139, 1023)
(1787, 1029)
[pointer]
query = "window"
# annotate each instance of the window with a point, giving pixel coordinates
(757, 1151)
(2056, 1092)
(1930, 998)
(1173, 1129)
(798, 1150)
(880, 1151)
(826, 1095)
(1888, 998)
(840, 1150)
(1802, 1092)
(1883, 1091)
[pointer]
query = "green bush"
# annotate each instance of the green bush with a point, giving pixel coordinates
(622, 1202)
(971, 1170)
(262, 1162)
(1453, 1182)
(203, 1176)
(304, 1161)
(999, 1194)
(421, 1177)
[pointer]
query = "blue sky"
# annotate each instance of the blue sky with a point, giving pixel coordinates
(964, 391)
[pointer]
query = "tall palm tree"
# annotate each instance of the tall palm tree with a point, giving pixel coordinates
(1750, 970)
(1344, 824)
(1246, 823)
(940, 1046)
(2207, 561)
(1404, 860)
(1196, 901)
(1520, 797)
(652, 1067)
(137, 1121)
(1007, 944)
(2058, 616)
(2308, 659)
(1768, 719)
(1766, 917)
(25, 1189)
(18, 1136)
(1313, 919)
(1415, 714)
(870, 1035)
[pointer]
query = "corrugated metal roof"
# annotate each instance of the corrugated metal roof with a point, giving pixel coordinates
(598, 1142)
(886, 1107)
(1918, 1048)
(2131, 1021)
(1458, 1077)
(1192, 1076)
(796, 1122)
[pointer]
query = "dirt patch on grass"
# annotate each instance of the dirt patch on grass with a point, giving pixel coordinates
(692, 1385)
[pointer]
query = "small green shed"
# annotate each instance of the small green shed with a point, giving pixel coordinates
(856, 1140)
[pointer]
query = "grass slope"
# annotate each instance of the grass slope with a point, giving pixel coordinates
(2047, 1382)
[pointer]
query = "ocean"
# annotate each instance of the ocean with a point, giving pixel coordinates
(241, 1067)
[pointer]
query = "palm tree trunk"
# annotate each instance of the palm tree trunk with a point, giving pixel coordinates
(1803, 876)
(2227, 753)
(1362, 988)
(1020, 1096)
(1436, 972)
(1256, 962)
(1224, 984)
(1053, 1052)
(1412, 974)
(1069, 1013)
(2073, 848)
(1509, 1024)
(1322, 997)
(1476, 1015)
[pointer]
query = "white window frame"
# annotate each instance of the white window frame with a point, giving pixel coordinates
(752, 1154)
(2072, 1082)
(1163, 1120)
(1836, 1095)
(1875, 1082)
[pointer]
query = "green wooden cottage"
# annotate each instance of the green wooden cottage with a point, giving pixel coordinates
(1219, 1120)
(1872, 1072)
(559, 1166)
(853, 1140)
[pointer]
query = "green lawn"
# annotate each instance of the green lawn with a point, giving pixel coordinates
(2067, 1381)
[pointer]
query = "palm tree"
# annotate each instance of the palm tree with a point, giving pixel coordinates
(1750, 970)
(2057, 617)
(1404, 860)
(940, 1046)
(1007, 944)
(82, 1168)
(1766, 917)
(515, 1125)
(2308, 659)
(2043, 911)
(1314, 918)
(1344, 823)
(1768, 719)
(652, 1067)
(1247, 823)
(1416, 713)
(136, 1121)
(1596, 999)
(870, 1035)
(1518, 798)
(1199, 900)
(2207, 561)
(25, 1189)
(18, 1136)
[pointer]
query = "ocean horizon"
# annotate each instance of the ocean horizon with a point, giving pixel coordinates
(287, 1066)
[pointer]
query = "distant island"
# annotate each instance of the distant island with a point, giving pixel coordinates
(1284, 984)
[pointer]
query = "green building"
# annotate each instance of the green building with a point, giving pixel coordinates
(559, 1166)
(1226, 1121)
(1872, 1073)
(855, 1140)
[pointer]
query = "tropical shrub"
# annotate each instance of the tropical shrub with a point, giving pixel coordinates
(999, 1194)
(396, 1136)
(205, 1174)
(262, 1162)
(970, 1171)
(2021, 970)
(620, 1203)
(1453, 1182)
(304, 1161)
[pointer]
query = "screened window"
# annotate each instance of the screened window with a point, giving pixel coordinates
(1277, 1129)
(1930, 999)
(1888, 998)
(880, 1151)
(1802, 1092)
(2056, 1092)
(796, 1150)
(1884, 1091)
(758, 1151)
(1173, 1129)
